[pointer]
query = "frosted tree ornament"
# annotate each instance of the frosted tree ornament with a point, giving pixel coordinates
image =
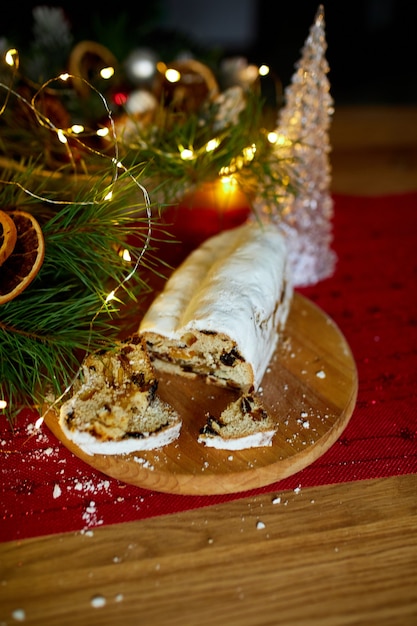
(303, 138)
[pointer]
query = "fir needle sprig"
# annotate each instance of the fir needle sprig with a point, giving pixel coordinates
(67, 310)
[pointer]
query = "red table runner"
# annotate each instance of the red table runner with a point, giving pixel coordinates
(372, 298)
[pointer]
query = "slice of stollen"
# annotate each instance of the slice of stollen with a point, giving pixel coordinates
(243, 424)
(109, 423)
(115, 408)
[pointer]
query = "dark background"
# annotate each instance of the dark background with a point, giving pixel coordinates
(372, 44)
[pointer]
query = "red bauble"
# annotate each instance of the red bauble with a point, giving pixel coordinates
(213, 207)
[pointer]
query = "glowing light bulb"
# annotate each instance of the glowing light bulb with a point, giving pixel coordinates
(64, 77)
(102, 132)
(278, 139)
(186, 154)
(212, 144)
(3, 404)
(172, 76)
(77, 129)
(61, 136)
(109, 196)
(228, 183)
(263, 70)
(11, 57)
(38, 423)
(249, 153)
(110, 296)
(125, 254)
(107, 72)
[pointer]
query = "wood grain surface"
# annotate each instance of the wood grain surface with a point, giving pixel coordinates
(309, 389)
(338, 555)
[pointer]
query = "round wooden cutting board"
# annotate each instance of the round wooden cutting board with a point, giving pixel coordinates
(310, 389)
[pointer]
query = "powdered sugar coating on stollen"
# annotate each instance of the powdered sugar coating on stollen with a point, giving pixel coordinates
(235, 283)
(255, 440)
(91, 445)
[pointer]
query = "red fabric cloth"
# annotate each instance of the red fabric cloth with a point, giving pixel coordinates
(371, 296)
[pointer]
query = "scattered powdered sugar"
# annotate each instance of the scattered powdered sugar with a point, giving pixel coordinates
(321, 374)
(144, 462)
(19, 615)
(260, 525)
(98, 601)
(91, 486)
(276, 500)
(57, 491)
(33, 430)
(90, 516)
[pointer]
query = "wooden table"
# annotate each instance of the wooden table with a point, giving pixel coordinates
(335, 555)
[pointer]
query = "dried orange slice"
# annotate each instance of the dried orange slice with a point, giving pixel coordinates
(23, 264)
(8, 236)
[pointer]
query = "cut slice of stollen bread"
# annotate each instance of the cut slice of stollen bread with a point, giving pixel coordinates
(243, 424)
(115, 408)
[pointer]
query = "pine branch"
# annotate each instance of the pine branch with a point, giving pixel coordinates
(65, 313)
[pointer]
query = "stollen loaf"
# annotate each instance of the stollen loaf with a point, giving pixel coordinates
(220, 313)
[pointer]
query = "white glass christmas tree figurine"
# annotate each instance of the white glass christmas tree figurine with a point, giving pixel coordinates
(302, 131)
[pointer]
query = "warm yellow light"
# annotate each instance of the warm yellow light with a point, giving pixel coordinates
(77, 129)
(61, 136)
(109, 196)
(110, 296)
(249, 153)
(3, 404)
(278, 139)
(212, 144)
(263, 70)
(172, 76)
(11, 57)
(64, 77)
(107, 72)
(227, 170)
(125, 254)
(228, 183)
(186, 154)
(102, 132)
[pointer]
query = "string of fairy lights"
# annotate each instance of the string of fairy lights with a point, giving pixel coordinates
(227, 175)
(172, 75)
(12, 59)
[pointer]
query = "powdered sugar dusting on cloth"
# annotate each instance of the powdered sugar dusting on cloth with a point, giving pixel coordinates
(49, 483)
